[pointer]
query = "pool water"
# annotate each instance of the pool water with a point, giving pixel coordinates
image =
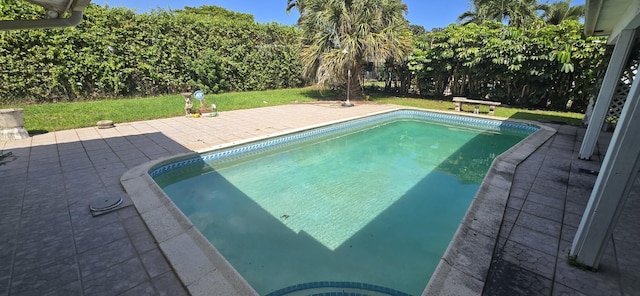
(376, 206)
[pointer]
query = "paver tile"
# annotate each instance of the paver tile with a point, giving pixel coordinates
(117, 279)
(542, 210)
(587, 282)
(89, 238)
(38, 276)
(143, 242)
(529, 259)
(572, 219)
(550, 201)
(549, 187)
(144, 289)
(562, 290)
(534, 239)
(105, 256)
(509, 278)
(540, 224)
(155, 263)
(168, 285)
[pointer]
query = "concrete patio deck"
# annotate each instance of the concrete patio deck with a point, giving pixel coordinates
(50, 244)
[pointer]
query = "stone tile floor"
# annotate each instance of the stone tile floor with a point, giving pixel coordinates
(50, 244)
(549, 193)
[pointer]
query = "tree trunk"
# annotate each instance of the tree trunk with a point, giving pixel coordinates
(354, 88)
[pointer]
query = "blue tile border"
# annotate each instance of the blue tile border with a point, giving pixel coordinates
(232, 153)
(337, 285)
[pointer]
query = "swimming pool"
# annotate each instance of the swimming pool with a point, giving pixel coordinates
(230, 157)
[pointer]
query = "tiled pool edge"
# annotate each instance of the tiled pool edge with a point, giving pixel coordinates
(290, 138)
(464, 266)
(204, 271)
(199, 265)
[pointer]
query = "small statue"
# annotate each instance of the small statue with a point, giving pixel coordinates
(188, 106)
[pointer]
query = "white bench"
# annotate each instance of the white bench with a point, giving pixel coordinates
(458, 101)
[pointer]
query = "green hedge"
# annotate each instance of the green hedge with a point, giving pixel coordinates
(115, 52)
(543, 67)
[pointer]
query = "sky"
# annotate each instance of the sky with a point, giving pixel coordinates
(427, 13)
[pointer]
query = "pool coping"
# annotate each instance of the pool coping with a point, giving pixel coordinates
(463, 268)
(204, 271)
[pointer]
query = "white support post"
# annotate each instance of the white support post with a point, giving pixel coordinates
(617, 175)
(619, 58)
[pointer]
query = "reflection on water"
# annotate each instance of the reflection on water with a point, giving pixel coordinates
(378, 206)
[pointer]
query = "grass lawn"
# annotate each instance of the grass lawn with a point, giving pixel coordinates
(59, 116)
(508, 112)
(66, 115)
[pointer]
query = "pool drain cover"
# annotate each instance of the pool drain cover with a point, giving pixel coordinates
(337, 289)
(104, 205)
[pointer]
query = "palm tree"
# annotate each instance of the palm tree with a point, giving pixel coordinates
(557, 12)
(297, 4)
(518, 13)
(524, 13)
(484, 10)
(340, 36)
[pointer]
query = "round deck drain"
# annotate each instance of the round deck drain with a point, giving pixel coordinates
(337, 289)
(105, 204)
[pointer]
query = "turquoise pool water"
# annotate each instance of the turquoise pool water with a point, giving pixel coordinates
(377, 206)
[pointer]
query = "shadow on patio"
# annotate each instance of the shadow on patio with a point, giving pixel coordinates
(49, 241)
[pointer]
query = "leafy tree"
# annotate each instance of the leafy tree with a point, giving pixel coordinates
(343, 35)
(18, 9)
(542, 68)
(218, 13)
(417, 30)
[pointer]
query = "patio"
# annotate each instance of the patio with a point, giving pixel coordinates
(50, 244)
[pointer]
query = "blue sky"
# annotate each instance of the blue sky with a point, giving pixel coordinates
(427, 13)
